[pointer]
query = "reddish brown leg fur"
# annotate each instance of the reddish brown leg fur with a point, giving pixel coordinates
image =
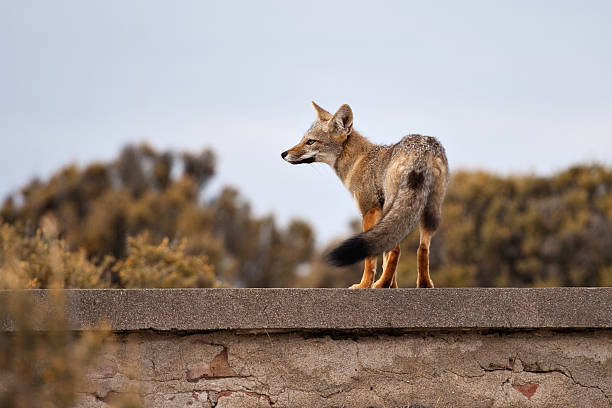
(394, 281)
(385, 261)
(423, 279)
(369, 220)
(390, 259)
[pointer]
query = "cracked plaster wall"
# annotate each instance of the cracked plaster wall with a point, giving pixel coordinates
(538, 368)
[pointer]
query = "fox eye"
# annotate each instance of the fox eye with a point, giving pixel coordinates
(310, 141)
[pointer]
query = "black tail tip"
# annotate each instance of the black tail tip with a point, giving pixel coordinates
(350, 251)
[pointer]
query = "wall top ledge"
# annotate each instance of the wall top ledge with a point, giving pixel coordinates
(331, 309)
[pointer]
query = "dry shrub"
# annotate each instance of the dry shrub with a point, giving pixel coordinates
(42, 261)
(42, 362)
(163, 266)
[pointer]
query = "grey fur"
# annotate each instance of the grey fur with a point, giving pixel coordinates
(404, 205)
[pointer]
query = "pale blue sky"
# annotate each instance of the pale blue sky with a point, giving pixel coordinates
(510, 86)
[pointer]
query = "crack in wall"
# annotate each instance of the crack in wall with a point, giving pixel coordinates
(287, 379)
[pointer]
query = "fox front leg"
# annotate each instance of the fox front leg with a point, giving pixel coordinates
(369, 270)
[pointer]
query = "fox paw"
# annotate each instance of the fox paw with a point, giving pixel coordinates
(360, 286)
(381, 284)
(425, 284)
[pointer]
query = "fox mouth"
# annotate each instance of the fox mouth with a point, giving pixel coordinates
(308, 160)
(289, 158)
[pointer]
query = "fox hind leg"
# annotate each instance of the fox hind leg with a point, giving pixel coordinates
(369, 270)
(430, 221)
(390, 260)
(423, 279)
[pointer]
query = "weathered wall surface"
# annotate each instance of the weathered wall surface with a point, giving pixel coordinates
(451, 369)
(348, 348)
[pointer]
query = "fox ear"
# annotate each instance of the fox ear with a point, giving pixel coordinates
(342, 120)
(322, 114)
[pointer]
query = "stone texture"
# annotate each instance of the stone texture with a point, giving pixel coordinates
(525, 368)
(218, 367)
(333, 348)
(335, 309)
(242, 399)
(526, 389)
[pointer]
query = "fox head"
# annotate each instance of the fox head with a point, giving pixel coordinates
(325, 139)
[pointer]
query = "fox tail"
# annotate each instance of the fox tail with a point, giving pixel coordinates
(393, 227)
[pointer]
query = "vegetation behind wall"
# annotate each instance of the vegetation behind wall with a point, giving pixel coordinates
(141, 221)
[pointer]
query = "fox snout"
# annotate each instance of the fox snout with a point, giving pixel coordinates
(285, 158)
(294, 157)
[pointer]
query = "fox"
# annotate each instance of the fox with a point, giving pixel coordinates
(394, 186)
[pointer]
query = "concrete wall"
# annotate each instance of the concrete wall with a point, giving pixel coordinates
(343, 348)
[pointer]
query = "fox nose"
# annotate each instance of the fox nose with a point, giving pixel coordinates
(284, 154)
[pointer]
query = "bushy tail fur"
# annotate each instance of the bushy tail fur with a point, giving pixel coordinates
(394, 226)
